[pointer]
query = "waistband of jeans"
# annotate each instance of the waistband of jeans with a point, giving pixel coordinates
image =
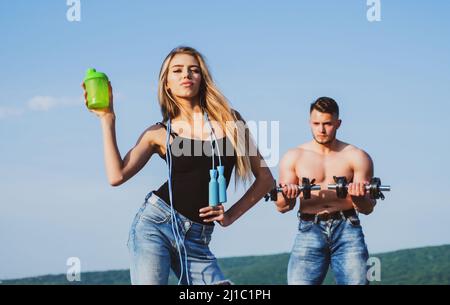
(327, 216)
(156, 200)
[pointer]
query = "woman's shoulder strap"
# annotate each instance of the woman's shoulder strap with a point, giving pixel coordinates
(172, 133)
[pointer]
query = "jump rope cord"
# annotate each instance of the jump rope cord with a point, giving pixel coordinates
(215, 144)
(175, 231)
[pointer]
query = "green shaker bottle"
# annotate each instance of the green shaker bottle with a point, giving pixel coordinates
(96, 84)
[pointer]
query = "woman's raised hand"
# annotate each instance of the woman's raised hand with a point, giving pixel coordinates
(101, 112)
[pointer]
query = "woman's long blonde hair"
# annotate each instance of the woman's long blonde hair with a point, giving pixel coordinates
(215, 104)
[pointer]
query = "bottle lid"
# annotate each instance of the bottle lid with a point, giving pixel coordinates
(92, 73)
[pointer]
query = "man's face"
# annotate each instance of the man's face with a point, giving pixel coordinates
(324, 126)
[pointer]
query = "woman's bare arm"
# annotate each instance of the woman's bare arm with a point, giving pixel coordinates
(117, 170)
(262, 185)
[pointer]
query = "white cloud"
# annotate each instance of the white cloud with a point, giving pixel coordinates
(40, 103)
(45, 103)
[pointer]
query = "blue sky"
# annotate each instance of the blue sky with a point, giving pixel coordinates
(271, 59)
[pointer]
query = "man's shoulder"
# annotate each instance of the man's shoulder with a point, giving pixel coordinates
(354, 152)
(298, 150)
(292, 155)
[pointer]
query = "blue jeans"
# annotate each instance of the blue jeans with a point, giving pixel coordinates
(336, 243)
(153, 248)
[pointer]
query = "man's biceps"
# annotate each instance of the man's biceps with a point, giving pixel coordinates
(365, 169)
(288, 179)
(362, 175)
(287, 168)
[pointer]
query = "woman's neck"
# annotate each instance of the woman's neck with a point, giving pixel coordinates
(189, 108)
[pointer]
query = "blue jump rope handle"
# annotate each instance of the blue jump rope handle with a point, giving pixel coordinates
(213, 188)
(222, 184)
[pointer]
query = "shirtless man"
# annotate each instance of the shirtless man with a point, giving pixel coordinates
(329, 232)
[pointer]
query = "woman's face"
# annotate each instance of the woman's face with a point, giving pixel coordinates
(184, 76)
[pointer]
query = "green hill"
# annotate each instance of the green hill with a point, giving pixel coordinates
(428, 265)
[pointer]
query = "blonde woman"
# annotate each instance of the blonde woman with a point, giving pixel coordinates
(173, 228)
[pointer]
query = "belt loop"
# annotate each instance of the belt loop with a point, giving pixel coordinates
(342, 214)
(316, 219)
(298, 215)
(148, 196)
(186, 225)
(203, 235)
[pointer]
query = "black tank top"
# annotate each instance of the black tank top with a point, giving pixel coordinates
(191, 162)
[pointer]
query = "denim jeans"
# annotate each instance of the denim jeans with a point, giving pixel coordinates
(336, 243)
(153, 249)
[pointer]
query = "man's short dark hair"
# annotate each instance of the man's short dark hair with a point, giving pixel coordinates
(326, 105)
